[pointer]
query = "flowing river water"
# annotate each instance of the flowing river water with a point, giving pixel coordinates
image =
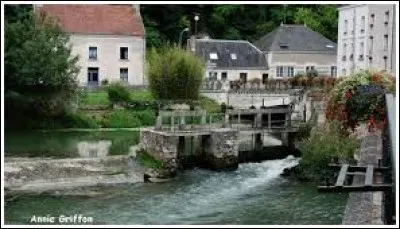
(254, 194)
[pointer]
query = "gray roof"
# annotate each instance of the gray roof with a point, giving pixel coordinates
(248, 56)
(295, 38)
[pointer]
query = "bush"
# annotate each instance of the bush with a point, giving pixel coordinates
(104, 82)
(79, 121)
(118, 93)
(360, 98)
(146, 160)
(325, 143)
(312, 73)
(121, 119)
(146, 117)
(175, 74)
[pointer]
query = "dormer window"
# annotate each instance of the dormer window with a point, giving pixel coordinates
(233, 56)
(283, 45)
(213, 56)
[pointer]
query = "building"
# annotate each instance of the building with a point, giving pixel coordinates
(229, 60)
(296, 49)
(109, 40)
(366, 38)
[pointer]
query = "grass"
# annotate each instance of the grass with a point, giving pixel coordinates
(146, 160)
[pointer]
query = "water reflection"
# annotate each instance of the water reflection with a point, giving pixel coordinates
(94, 149)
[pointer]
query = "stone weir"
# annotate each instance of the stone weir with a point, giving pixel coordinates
(218, 149)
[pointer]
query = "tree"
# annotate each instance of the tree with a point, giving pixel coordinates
(40, 72)
(175, 74)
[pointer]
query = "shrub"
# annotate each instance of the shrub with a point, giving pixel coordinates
(312, 73)
(121, 119)
(360, 98)
(175, 74)
(324, 144)
(118, 93)
(146, 117)
(104, 82)
(78, 121)
(146, 160)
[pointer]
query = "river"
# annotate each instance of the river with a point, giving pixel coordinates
(254, 194)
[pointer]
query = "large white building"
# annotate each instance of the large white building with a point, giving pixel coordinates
(366, 38)
(109, 40)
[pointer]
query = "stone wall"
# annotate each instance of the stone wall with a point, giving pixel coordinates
(365, 207)
(160, 146)
(221, 149)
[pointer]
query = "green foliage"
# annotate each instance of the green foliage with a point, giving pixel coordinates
(146, 160)
(40, 77)
(121, 119)
(325, 143)
(163, 23)
(146, 117)
(118, 93)
(210, 105)
(94, 98)
(312, 73)
(359, 98)
(79, 120)
(175, 74)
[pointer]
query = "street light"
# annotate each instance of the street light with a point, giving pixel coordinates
(196, 18)
(180, 36)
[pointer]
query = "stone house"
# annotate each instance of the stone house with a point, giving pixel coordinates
(296, 49)
(366, 38)
(109, 40)
(229, 60)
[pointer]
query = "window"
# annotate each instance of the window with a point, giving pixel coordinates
(370, 61)
(372, 20)
(233, 56)
(333, 71)
(93, 53)
(279, 71)
(213, 56)
(93, 76)
(386, 18)
(212, 75)
(385, 42)
(123, 53)
(361, 57)
(346, 24)
(344, 48)
(224, 76)
(243, 77)
(290, 71)
(343, 72)
(371, 45)
(362, 24)
(308, 68)
(385, 60)
(123, 74)
(264, 78)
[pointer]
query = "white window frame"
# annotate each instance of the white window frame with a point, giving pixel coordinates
(213, 56)
(91, 56)
(124, 78)
(279, 71)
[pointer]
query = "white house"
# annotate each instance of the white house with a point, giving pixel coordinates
(366, 38)
(109, 40)
(229, 60)
(293, 49)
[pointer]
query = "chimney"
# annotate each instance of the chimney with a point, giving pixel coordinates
(191, 44)
(136, 7)
(36, 7)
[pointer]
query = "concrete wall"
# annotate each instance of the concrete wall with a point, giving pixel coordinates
(108, 57)
(355, 36)
(321, 61)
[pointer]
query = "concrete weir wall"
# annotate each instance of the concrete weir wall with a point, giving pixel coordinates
(221, 149)
(161, 146)
(218, 150)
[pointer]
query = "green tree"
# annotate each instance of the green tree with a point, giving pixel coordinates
(175, 74)
(40, 72)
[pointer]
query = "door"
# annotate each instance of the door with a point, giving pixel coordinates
(93, 76)
(264, 78)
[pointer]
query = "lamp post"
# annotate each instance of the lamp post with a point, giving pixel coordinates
(196, 18)
(180, 35)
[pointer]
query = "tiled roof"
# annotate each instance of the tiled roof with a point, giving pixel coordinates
(96, 19)
(295, 38)
(234, 54)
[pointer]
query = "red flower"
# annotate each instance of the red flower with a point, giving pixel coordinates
(376, 78)
(348, 94)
